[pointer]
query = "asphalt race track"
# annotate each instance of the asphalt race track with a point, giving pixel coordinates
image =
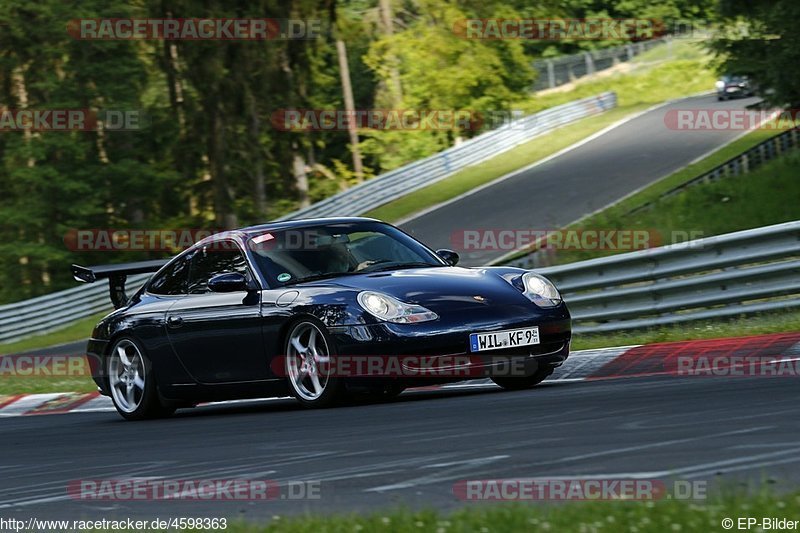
(581, 181)
(411, 451)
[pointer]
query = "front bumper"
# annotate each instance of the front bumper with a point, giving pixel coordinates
(440, 349)
(95, 352)
(733, 90)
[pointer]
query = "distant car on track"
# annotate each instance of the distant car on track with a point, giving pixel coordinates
(269, 310)
(732, 86)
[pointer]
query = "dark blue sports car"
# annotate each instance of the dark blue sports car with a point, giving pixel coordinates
(318, 309)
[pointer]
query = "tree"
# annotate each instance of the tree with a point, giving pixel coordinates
(759, 39)
(51, 182)
(442, 71)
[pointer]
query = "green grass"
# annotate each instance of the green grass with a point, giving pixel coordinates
(72, 332)
(11, 385)
(595, 516)
(22, 384)
(754, 325)
(644, 86)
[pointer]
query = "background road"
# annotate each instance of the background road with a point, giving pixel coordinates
(564, 189)
(70, 348)
(411, 451)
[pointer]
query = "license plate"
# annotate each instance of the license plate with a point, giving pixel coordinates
(479, 342)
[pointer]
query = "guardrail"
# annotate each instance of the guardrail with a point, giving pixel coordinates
(740, 273)
(404, 180)
(44, 313)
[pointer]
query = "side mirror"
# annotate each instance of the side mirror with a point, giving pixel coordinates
(449, 256)
(228, 282)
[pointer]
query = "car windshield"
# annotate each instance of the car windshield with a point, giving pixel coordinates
(734, 78)
(291, 256)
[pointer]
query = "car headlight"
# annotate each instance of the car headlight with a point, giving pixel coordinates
(391, 309)
(719, 85)
(540, 290)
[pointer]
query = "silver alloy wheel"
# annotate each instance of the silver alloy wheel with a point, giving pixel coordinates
(307, 359)
(126, 376)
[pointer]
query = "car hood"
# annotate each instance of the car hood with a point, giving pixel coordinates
(440, 287)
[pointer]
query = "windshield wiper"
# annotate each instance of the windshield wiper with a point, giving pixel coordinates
(382, 266)
(385, 265)
(317, 277)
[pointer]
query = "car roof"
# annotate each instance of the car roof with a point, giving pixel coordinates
(302, 223)
(250, 231)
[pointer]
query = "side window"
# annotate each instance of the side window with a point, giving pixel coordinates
(173, 280)
(213, 259)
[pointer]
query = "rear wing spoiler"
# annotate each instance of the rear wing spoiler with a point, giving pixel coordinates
(116, 275)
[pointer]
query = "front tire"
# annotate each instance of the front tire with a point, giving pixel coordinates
(308, 365)
(132, 384)
(522, 383)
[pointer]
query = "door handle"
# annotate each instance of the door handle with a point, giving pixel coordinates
(174, 321)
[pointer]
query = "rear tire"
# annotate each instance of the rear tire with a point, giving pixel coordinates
(132, 384)
(522, 383)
